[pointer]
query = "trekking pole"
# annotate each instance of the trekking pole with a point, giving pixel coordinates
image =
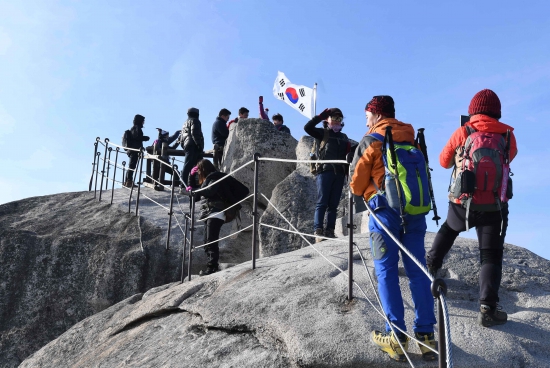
(421, 141)
(93, 165)
(389, 139)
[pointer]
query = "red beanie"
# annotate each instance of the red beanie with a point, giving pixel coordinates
(485, 102)
(382, 105)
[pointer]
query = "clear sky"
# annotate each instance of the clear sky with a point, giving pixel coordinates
(71, 71)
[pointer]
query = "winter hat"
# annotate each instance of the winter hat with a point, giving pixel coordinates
(485, 102)
(382, 105)
(193, 111)
(139, 119)
(336, 112)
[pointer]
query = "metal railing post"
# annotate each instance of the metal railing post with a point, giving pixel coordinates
(439, 287)
(184, 247)
(141, 155)
(108, 167)
(93, 165)
(114, 175)
(350, 255)
(191, 235)
(171, 207)
(96, 172)
(103, 170)
(255, 216)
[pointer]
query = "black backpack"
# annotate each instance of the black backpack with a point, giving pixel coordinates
(238, 191)
(127, 140)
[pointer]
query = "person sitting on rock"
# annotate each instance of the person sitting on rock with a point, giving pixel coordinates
(212, 207)
(277, 118)
(368, 180)
(220, 132)
(243, 114)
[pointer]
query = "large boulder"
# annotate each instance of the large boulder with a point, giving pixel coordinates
(251, 136)
(65, 257)
(291, 311)
(295, 197)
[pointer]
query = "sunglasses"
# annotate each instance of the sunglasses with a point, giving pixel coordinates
(337, 119)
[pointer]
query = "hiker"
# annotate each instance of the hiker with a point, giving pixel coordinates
(135, 140)
(192, 143)
(277, 118)
(212, 203)
(243, 114)
(490, 218)
(330, 178)
(369, 181)
(163, 137)
(220, 132)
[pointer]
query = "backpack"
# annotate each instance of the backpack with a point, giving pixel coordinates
(238, 191)
(484, 182)
(127, 140)
(412, 175)
(317, 153)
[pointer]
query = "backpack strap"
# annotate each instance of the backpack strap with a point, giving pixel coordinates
(469, 130)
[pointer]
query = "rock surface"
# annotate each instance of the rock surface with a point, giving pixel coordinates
(292, 312)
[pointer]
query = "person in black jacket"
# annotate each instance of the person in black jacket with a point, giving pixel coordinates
(330, 177)
(212, 205)
(136, 141)
(278, 122)
(192, 142)
(220, 132)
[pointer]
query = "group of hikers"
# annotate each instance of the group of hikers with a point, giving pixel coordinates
(389, 170)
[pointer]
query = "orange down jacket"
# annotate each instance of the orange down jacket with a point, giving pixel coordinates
(367, 166)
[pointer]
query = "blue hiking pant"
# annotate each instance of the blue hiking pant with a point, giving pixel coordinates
(329, 190)
(386, 257)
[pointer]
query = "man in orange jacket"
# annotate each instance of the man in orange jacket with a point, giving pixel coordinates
(491, 224)
(368, 179)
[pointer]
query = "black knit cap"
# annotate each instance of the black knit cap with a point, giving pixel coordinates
(193, 112)
(139, 119)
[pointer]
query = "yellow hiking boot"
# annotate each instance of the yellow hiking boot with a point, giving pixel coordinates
(428, 339)
(387, 342)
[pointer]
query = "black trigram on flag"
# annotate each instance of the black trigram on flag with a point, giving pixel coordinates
(281, 95)
(282, 82)
(302, 107)
(302, 92)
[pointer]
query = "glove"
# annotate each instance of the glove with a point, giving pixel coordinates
(194, 170)
(325, 114)
(261, 99)
(145, 138)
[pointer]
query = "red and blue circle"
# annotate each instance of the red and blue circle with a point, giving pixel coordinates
(292, 95)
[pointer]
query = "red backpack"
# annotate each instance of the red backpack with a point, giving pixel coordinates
(484, 178)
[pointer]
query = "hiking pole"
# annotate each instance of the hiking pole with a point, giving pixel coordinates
(421, 142)
(389, 139)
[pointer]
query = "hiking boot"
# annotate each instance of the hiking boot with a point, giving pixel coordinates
(427, 339)
(387, 342)
(329, 233)
(128, 184)
(491, 316)
(319, 232)
(208, 271)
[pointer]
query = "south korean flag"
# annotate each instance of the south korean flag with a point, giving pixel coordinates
(299, 97)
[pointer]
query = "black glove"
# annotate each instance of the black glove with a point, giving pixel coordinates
(261, 99)
(349, 156)
(145, 138)
(325, 114)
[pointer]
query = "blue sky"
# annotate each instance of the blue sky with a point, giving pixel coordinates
(74, 70)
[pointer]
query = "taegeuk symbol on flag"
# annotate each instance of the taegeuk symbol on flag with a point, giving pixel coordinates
(299, 97)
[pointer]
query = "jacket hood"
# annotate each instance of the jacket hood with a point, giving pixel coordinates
(484, 123)
(401, 132)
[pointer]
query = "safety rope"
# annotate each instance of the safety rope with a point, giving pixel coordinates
(225, 237)
(222, 211)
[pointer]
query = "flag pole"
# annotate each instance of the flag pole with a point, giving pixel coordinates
(315, 99)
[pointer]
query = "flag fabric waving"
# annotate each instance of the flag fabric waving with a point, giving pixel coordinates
(298, 97)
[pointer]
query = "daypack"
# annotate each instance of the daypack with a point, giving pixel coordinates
(238, 192)
(127, 140)
(484, 182)
(318, 153)
(412, 173)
